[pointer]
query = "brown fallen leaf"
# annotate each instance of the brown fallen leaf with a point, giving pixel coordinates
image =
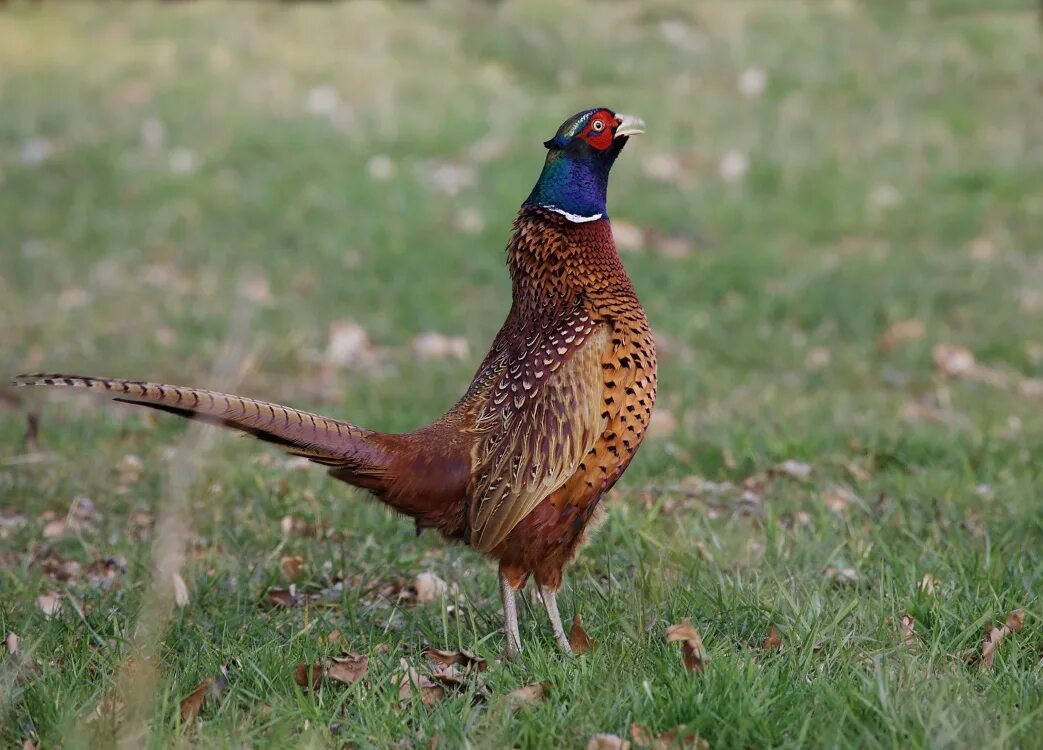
(348, 668)
(900, 332)
(1015, 621)
(681, 737)
(607, 742)
(308, 675)
(578, 638)
(332, 639)
(429, 587)
(838, 499)
(50, 604)
(953, 360)
(529, 694)
(927, 584)
(464, 658)
(411, 682)
(792, 469)
(678, 737)
(191, 703)
(280, 597)
(695, 656)
(641, 735)
(60, 569)
(840, 576)
(774, 640)
(291, 565)
(908, 626)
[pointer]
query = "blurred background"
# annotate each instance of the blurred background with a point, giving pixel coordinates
(827, 190)
(835, 223)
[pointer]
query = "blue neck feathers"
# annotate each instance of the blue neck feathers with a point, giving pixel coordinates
(573, 183)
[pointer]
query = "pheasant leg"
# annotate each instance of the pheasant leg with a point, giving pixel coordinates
(510, 618)
(550, 603)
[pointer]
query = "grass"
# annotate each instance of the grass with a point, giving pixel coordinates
(167, 171)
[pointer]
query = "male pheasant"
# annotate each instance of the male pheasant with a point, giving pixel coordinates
(551, 419)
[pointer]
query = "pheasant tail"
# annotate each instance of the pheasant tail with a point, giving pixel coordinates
(354, 451)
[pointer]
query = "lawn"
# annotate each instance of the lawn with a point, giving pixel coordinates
(835, 222)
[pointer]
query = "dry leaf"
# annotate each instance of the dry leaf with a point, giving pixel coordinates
(641, 735)
(840, 576)
(752, 82)
(793, 469)
(433, 345)
(129, 469)
(900, 332)
(578, 638)
(49, 604)
(13, 642)
(348, 668)
(837, 499)
(411, 681)
(733, 166)
(953, 360)
(280, 597)
(191, 703)
(695, 656)
(468, 220)
(529, 694)
(308, 675)
(429, 587)
(774, 640)
(333, 638)
(629, 237)
(908, 625)
(607, 742)
(466, 659)
(1015, 621)
(59, 569)
(291, 565)
(678, 737)
(54, 529)
(927, 584)
(348, 344)
(818, 358)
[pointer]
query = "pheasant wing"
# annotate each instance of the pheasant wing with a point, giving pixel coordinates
(541, 416)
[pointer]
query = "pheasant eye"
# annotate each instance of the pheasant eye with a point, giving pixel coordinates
(598, 125)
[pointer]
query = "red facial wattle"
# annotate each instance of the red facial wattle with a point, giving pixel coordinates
(599, 130)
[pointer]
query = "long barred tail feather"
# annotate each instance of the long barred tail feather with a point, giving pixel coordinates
(337, 444)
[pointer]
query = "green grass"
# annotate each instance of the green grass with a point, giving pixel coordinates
(895, 161)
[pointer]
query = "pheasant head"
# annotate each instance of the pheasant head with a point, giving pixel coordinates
(579, 157)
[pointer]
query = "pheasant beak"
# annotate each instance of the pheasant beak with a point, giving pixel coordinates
(629, 125)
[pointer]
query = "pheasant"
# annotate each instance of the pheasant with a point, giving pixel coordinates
(554, 415)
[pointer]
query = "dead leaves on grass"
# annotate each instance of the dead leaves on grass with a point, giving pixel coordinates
(192, 702)
(347, 668)
(908, 628)
(529, 695)
(680, 737)
(774, 640)
(579, 640)
(1015, 622)
(208, 688)
(695, 657)
(464, 659)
